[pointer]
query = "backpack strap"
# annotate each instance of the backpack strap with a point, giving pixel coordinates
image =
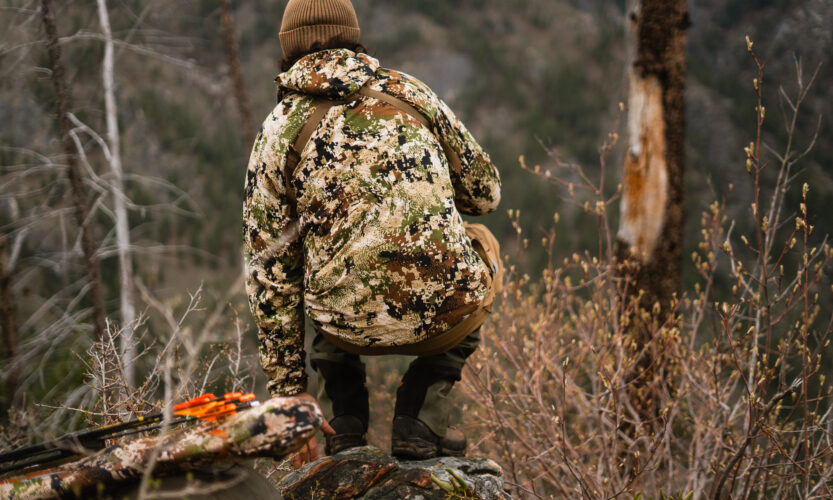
(451, 155)
(398, 104)
(320, 110)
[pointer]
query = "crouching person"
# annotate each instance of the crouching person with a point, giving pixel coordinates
(354, 193)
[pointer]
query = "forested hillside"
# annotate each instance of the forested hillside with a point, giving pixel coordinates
(538, 79)
(525, 75)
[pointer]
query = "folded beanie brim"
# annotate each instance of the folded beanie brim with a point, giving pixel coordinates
(300, 40)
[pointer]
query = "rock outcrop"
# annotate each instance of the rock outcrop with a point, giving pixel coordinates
(368, 473)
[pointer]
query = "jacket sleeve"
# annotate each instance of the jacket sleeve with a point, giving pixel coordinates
(274, 264)
(475, 179)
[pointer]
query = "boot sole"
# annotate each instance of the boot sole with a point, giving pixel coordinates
(446, 452)
(341, 442)
(415, 448)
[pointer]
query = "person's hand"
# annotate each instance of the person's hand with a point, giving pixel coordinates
(309, 452)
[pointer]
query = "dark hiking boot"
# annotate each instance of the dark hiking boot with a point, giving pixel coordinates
(350, 433)
(413, 439)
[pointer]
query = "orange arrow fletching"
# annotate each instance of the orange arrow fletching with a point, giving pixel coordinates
(198, 401)
(219, 411)
(209, 407)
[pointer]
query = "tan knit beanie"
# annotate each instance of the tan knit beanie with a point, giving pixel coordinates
(306, 22)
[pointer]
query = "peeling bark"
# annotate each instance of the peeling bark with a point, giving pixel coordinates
(646, 170)
(651, 228)
(74, 173)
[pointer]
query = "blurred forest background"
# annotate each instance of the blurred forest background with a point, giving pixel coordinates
(527, 76)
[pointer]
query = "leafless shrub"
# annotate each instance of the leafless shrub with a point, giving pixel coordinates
(746, 411)
(192, 351)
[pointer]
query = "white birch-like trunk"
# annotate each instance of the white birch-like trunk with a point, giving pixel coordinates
(128, 311)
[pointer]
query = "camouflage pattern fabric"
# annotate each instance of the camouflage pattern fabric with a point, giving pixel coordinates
(275, 429)
(374, 251)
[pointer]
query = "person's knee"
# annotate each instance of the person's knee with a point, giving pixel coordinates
(467, 346)
(455, 358)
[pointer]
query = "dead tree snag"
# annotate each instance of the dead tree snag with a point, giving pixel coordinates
(74, 173)
(240, 96)
(651, 227)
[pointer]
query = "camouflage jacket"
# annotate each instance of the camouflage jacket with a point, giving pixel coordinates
(374, 249)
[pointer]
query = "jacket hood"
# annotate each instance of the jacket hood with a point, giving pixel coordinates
(331, 74)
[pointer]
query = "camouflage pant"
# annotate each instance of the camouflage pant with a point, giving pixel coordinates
(424, 393)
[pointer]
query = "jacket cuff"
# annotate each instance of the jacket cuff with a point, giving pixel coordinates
(288, 389)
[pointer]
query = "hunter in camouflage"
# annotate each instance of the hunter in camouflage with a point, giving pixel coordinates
(375, 252)
(364, 235)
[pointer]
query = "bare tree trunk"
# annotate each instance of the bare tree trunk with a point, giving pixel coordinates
(651, 228)
(240, 95)
(7, 322)
(74, 173)
(128, 310)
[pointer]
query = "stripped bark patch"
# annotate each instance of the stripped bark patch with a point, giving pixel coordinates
(645, 193)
